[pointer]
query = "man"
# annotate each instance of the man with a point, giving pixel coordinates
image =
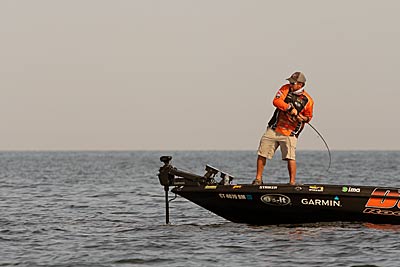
(294, 108)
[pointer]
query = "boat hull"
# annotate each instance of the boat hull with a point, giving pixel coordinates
(286, 204)
(281, 203)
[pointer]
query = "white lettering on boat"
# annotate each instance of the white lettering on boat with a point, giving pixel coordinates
(271, 187)
(236, 196)
(321, 202)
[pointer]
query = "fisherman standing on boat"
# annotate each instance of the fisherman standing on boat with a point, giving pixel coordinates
(294, 108)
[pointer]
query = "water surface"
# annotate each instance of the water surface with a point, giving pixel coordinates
(107, 209)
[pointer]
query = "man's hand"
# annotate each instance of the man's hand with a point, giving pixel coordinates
(293, 112)
(302, 118)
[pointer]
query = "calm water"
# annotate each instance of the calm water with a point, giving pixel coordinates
(107, 209)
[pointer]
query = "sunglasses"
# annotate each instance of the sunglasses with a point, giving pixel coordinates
(296, 83)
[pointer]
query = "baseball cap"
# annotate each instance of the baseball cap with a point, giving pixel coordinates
(297, 77)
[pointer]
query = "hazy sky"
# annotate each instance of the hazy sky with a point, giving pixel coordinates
(185, 74)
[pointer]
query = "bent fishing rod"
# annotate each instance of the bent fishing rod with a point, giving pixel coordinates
(326, 144)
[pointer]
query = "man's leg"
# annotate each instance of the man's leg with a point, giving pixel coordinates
(260, 167)
(292, 170)
(288, 148)
(266, 149)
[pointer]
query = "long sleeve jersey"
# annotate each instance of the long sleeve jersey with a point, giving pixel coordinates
(284, 100)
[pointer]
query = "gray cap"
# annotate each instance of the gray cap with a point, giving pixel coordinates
(297, 77)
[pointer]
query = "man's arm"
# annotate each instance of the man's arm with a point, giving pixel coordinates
(279, 101)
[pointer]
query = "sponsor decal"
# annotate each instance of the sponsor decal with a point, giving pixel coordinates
(384, 198)
(236, 196)
(382, 212)
(270, 187)
(298, 188)
(349, 189)
(316, 188)
(210, 187)
(321, 202)
(276, 200)
(237, 186)
(383, 202)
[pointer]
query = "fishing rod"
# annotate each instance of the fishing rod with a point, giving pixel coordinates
(326, 144)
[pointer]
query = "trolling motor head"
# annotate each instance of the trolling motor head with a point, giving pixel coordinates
(165, 177)
(166, 159)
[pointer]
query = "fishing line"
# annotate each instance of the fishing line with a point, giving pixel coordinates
(326, 144)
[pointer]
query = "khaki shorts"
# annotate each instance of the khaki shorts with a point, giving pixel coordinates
(271, 140)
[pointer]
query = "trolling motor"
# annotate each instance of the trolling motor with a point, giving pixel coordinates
(171, 176)
(165, 180)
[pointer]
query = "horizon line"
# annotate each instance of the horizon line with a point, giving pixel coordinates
(186, 150)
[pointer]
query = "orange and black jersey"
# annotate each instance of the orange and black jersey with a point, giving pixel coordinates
(284, 100)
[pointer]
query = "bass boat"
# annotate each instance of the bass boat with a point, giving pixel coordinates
(273, 203)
